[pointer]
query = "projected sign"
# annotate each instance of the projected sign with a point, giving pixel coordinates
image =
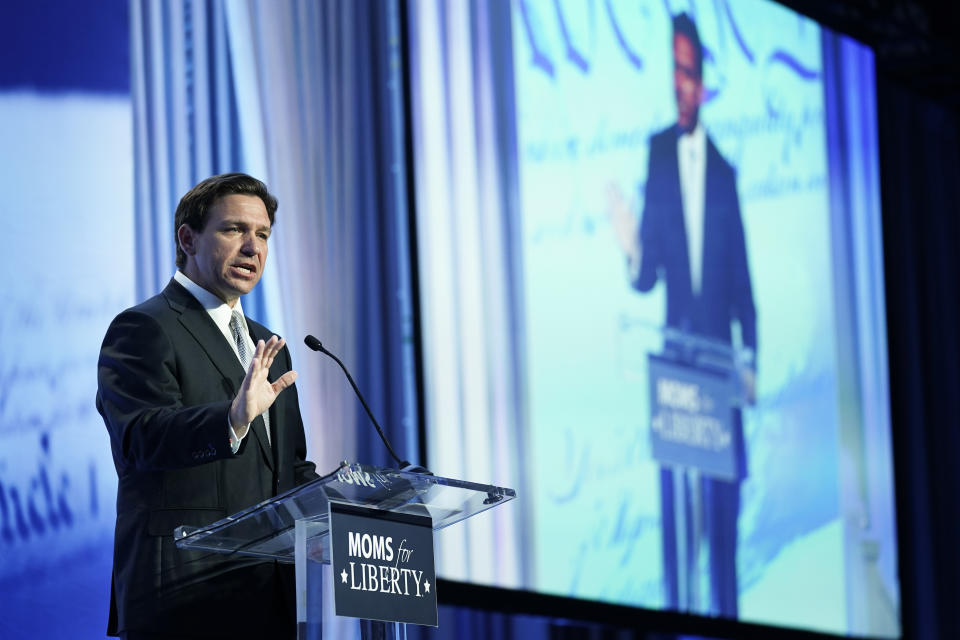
(690, 418)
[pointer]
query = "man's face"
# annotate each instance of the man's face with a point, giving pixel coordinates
(228, 256)
(687, 83)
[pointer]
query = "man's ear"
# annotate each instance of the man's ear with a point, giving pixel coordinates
(187, 238)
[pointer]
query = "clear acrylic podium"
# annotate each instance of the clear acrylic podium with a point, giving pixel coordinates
(294, 527)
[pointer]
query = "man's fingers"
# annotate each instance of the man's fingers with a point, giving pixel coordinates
(275, 345)
(257, 353)
(284, 381)
(271, 350)
(615, 200)
(267, 351)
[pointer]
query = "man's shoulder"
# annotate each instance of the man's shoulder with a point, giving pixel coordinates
(153, 305)
(160, 306)
(664, 136)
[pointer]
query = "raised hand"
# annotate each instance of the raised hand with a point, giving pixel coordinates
(257, 393)
(623, 220)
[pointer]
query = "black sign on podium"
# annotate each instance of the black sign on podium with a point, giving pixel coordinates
(380, 520)
(383, 565)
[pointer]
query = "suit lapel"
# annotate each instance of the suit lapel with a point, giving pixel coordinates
(197, 322)
(211, 341)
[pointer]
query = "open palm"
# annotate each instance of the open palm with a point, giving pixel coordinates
(257, 393)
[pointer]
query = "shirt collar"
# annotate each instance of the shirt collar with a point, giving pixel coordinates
(697, 136)
(219, 310)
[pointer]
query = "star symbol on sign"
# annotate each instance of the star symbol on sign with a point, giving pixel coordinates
(426, 586)
(343, 576)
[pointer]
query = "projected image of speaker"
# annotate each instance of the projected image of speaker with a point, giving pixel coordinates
(651, 300)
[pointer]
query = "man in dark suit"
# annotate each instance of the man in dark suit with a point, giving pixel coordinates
(197, 435)
(691, 236)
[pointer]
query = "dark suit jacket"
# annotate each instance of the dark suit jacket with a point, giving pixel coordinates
(166, 378)
(725, 290)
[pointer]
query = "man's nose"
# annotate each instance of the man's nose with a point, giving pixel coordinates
(250, 245)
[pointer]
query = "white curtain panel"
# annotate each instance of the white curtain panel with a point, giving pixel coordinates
(469, 370)
(264, 88)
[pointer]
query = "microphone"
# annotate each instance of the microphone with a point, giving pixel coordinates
(316, 345)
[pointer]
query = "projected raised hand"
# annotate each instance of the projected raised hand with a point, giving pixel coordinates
(623, 221)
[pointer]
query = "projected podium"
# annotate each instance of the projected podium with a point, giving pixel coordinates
(295, 527)
(695, 387)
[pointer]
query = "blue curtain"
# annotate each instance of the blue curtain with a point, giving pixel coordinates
(306, 96)
(384, 308)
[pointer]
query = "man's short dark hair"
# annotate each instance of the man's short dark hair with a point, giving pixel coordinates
(683, 25)
(195, 205)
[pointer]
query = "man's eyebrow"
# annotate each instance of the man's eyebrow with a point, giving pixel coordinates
(237, 222)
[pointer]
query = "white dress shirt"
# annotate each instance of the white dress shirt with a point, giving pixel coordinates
(220, 312)
(692, 157)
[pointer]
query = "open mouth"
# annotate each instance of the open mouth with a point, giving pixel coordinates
(245, 269)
